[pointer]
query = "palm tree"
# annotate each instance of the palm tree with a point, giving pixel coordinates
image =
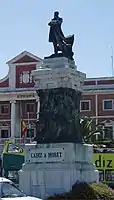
(87, 130)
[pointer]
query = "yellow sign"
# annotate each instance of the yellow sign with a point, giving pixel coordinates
(105, 164)
(12, 148)
(104, 161)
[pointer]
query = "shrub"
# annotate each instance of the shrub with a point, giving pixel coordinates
(85, 191)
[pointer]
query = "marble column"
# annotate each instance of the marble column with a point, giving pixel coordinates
(13, 119)
(18, 121)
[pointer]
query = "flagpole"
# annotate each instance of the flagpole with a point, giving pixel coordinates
(20, 118)
(29, 126)
(28, 118)
(112, 61)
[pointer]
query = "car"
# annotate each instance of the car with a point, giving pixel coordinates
(8, 191)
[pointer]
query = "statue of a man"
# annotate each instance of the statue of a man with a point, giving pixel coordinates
(56, 35)
(62, 45)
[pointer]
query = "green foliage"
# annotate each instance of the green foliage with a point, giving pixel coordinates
(86, 124)
(103, 191)
(87, 129)
(85, 191)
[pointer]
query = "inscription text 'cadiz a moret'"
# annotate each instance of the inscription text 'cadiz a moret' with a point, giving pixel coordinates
(46, 155)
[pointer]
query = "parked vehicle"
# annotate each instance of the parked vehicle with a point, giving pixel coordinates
(8, 191)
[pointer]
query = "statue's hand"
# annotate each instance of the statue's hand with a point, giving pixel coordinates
(49, 24)
(53, 22)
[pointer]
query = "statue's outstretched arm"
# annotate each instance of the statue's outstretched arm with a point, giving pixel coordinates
(49, 24)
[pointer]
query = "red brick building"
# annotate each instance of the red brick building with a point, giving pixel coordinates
(98, 102)
(18, 99)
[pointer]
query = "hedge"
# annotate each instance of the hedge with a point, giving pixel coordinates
(85, 191)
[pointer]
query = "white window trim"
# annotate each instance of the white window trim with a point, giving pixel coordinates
(112, 104)
(109, 125)
(82, 101)
(1, 109)
(34, 131)
(5, 128)
(33, 103)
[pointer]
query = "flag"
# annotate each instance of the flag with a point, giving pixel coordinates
(24, 129)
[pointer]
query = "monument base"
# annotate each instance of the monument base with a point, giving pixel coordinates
(54, 168)
(59, 86)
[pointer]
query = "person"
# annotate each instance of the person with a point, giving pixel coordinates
(56, 35)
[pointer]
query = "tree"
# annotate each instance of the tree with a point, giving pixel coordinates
(87, 129)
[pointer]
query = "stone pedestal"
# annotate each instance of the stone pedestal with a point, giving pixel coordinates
(58, 73)
(58, 84)
(54, 168)
(60, 158)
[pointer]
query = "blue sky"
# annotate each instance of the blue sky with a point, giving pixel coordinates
(23, 26)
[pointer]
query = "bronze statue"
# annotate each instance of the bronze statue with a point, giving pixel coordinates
(60, 42)
(59, 116)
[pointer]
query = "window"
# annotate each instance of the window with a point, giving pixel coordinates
(30, 133)
(85, 105)
(4, 133)
(14, 148)
(108, 104)
(9, 190)
(108, 132)
(5, 109)
(30, 107)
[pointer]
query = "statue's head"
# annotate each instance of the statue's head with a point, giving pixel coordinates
(56, 14)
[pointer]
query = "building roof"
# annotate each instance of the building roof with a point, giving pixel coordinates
(24, 57)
